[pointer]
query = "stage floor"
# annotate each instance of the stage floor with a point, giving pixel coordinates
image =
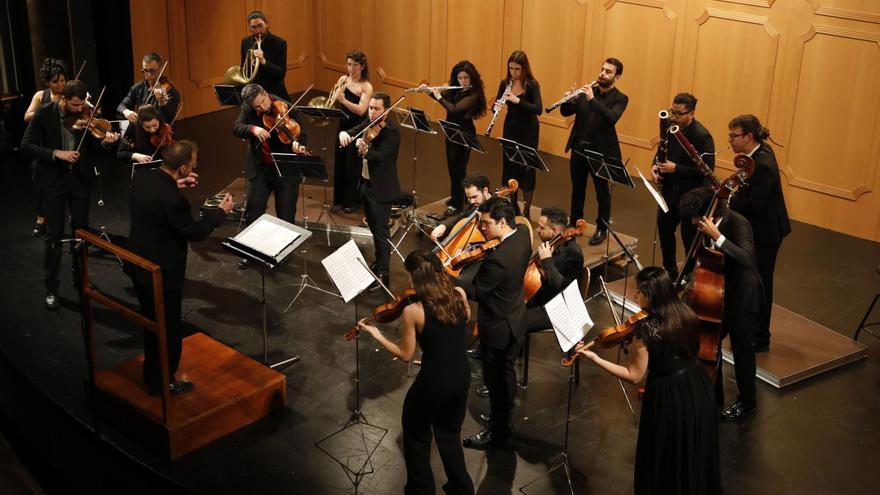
(815, 436)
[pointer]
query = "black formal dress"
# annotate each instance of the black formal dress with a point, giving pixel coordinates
(742, 302)
(521, 125)
(437, 401)
(347, 163)
(65, 187)
(379, 188)
(566, 265)
(161, 228)
(461, 107)
(45, 99)
(762, 203)
(687, 176)
(260, 169)
(135, 140)
(498, 288)
(593, 129)
(270, 74)
(138, 96)
(677, 449)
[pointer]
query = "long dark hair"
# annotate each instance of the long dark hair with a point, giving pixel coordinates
(520, 57)
(361, 58)
(678, 322)
(476, 85)
(434, 288)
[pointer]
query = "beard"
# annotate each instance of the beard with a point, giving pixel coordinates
(605, 83)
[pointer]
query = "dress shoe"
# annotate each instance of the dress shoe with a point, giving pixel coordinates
(474, 353)
(242, 264)
(738, 410)
(177, 387)
(51, 302)
(39, 230)
(483, 391)
(598, 237)
(485, 438)
(760, 347)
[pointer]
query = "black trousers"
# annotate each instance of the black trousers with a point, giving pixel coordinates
(432, 406)
(580, 174)
(666, 225)
(68, 193)
(346, 174)
(173, 332)
(765, 256)
(267, 181)
(499, 376)
(457, 157)
(739, 327)
(378, 214)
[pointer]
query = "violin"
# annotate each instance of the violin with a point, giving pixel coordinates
(162, 136)
(388, 312)
(532, 280)
(371, 133)
(98, 127)
(277, 117)
(609, 337)
(471, 256)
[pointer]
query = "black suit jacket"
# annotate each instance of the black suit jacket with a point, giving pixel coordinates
(248, 118)
(566, 265)
(162, 225)
(43, 136)
(137, 96)
(498, 288)
(687, 174)
(382, 161)
(595, 120)
(271, 74)
(761, 200)
(743, 292)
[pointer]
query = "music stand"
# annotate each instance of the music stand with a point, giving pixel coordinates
(267, 242)
(135, 166)
(455, 134)
(522, 155)
(302, 166)
(325, 115)
(227, 94)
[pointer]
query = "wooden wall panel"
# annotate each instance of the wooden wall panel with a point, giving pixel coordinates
(223, 22)
(292, 21)
(339, 29)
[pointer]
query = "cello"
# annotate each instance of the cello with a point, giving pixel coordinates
(532, 279)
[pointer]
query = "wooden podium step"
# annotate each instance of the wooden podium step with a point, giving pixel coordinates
(231, 391)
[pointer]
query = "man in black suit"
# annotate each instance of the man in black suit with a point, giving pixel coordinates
(379, 183)
(731, 233)
(161, 228)
(272, 54)
(762, 203)
(498, 288)
(593, 129)
(64, 173)
(559, 266)
(476, 191)
(679, 174)
(139, 94)
(263, 175)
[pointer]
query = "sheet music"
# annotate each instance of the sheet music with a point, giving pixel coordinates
(569, 317)
(267, 238)
(657, 197)
(346, 271)
(577, 309)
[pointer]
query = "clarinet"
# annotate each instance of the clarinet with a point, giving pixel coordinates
(499, 104)
(662, 147)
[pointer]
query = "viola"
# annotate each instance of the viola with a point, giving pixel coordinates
(609, 337)
(532, 279)
(162, 137)
(388, 312)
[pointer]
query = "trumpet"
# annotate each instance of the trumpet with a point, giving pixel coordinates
(499, 104)
(570, 96)
(431, 89)
(239, 76)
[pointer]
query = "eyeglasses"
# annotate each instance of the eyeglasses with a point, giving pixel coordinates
(679, 114)
(734, 135)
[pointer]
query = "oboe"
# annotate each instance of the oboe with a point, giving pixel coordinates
(570, 96)
(499, 104)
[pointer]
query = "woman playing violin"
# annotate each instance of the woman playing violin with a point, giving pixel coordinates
(137, 144)
(677, 450)
(437, 400)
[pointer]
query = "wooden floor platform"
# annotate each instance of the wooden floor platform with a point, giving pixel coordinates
(231, 391)
(593, 255)
(799, 348)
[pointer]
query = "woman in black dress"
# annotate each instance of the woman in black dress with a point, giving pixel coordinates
(462, 106)
(521, 124)
(438, 397)
(677, 449)
(355, 101)
(136, 145)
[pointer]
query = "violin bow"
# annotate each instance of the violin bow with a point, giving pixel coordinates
(289, 109)
(379, 118)
(158, 78)
(91, 118)
(165, 136)
(79, 72)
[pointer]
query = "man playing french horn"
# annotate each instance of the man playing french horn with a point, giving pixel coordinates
(270, 52)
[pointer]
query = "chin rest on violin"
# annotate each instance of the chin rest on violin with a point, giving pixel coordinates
(386, 313)
(609, 337)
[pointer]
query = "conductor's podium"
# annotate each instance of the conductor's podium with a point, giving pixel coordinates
(231, 391)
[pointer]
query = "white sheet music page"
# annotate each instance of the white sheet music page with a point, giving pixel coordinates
(657, 197)
(567, 334)
(577, 309)
(346, 271)
(267, 237)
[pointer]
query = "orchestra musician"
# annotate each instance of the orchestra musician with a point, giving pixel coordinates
(462, 106)
(150, 91)
(355, 101)
(679, 174)
(762, 203)
(437, 399)
(380, 185)
(731, 233)
(498, 288)
(476, 191)
(136, 145)
(53, 72)
(263, 176)
(677, 447)
(161, 228)
(272, 54)
(596, 114)
(524, 105)
(64, 173)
